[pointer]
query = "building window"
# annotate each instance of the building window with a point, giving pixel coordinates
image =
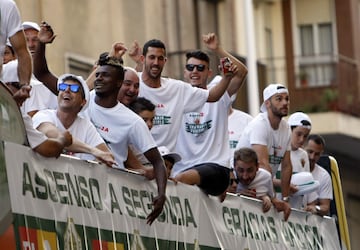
(317, 60)
(78, 65)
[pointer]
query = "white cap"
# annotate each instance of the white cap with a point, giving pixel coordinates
(164, 151)
(8, 43)
(30, 25)
(269, 91)
(299, 119)
(83, 84)
(305, 183)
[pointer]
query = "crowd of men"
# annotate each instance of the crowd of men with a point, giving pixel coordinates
(163, 127)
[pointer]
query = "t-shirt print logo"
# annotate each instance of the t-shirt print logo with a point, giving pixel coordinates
(198, 128)
(162, 120)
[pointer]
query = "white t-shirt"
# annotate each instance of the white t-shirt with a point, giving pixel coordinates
(325, 190)
(300, 163)
(119, 127)
(259, 131)
(203, 136)
(35, 137)
(262, 184)
(173, 99)
(82, 129)
(299, 160)
(10, 23)
(40, 96)
(238, 120)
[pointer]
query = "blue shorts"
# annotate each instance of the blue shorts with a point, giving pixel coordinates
(214, 178)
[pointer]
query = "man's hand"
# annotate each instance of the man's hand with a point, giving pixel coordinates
(231, 71)
(248, 192)
(311, 209)
(22, 94)
(293, 189)
(117, 50)
(266, 203)
(66, 138)
(282, 206)
(46, 33)
(135, 52)
(149, 173)
(211, 41)
(104, 157)
(158, 204)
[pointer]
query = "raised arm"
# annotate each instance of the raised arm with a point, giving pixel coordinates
(117, 50)
(41, 70)
(135, 53)
(18, 43)
(212, 43)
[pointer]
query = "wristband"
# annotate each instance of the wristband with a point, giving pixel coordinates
(285, 198)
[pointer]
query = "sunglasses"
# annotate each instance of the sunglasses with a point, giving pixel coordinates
(234, 180)
(73, 87)
(199, 67)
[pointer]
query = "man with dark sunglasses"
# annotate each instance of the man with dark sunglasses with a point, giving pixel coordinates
(72, 98)
(203, 138)
(171, 97)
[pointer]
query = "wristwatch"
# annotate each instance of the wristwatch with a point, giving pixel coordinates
(318, 209)
(285, 198)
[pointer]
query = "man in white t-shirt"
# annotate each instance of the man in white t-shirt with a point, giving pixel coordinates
(171, 97)
(256, 182)
(10, 28)
(203, 137)
(238, 120)
(300, 125)
(40, 96)
(72, 98)
(117, 125)
(47, 147)
(314, 146)
(269, 135)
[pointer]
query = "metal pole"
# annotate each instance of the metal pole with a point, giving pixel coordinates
(253, 85)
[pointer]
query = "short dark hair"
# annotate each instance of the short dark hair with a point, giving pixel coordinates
(140, 104)
(318, 139)
(198, 54)
(155, 43)
(114, 62)
(246, 155)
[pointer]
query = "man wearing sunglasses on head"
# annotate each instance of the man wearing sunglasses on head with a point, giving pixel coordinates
(73, 97)
(203, 138)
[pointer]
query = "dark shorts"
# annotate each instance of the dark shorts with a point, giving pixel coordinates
(214, 178)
